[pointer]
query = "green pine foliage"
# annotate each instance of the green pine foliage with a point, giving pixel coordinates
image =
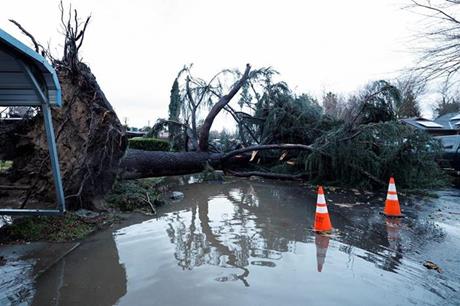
(367, 142)
(381, 149)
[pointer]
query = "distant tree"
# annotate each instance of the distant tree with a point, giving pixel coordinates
(175, 131)
(410, 89)
(446, 105)
(333, 105)
(409, 106)
(146, 129)
(214, 134)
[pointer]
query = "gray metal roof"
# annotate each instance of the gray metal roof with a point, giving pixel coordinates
(17, 64)
(422, 123)
(444, 126)
(448, 120)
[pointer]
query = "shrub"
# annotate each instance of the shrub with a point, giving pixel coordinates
(133, 194)
(149, 144)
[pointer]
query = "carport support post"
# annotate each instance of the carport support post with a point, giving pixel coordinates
(53, 155)
(50, 138)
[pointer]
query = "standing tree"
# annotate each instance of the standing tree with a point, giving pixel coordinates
(440, 43)
(175, 131)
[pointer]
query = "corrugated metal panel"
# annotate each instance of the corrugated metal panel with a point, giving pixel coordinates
(8, 65)
(52, 96)
(49, 81)
(15, 86)
(52, 90)
(14, 80)
(12, 76)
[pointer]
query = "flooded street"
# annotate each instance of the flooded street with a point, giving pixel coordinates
(250, 243)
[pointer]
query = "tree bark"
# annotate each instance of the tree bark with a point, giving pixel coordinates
(269, 175)
(141, 164)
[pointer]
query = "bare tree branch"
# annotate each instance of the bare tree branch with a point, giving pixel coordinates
(440, 51)
(37, 46)
(428, 6)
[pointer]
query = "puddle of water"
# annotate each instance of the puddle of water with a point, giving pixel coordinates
(250, 243)
(16, 286)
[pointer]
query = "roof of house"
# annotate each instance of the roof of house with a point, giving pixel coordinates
(20, 66)
(450, 120)
(423, 123)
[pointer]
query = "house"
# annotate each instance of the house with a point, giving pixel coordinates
(450, 120)
(442, 126)
(134, 132)
(446, 128)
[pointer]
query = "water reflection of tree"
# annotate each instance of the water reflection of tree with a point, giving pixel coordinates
(238, 241)
(233, 241)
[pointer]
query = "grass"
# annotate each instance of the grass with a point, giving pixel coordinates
(62, 228)
(5, 165)
(125, 196)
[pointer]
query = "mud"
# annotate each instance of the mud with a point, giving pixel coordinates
(250, 243)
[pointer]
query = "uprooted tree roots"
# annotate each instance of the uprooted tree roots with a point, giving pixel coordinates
(90, 141)
(90, 138)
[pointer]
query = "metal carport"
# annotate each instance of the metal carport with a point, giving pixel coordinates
(27, 79)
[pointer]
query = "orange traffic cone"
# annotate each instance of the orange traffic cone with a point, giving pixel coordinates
(392, 203)
(322, 243)
(322, 221)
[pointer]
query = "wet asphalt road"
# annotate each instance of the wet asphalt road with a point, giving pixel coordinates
(250, 243)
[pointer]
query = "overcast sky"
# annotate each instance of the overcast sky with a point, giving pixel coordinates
(135, 48)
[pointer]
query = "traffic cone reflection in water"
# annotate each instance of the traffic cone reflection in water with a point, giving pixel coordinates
(392, 208)
(322, 243)
(322, 221)
(393, 226)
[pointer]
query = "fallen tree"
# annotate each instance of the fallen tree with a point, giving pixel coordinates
(93, 148)
(90, 138)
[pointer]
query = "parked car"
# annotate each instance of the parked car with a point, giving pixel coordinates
(451, 153)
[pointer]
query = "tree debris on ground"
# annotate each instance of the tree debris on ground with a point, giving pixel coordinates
(432, 266)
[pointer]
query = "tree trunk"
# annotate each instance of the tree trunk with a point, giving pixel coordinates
(204, 135)
(141, 164)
